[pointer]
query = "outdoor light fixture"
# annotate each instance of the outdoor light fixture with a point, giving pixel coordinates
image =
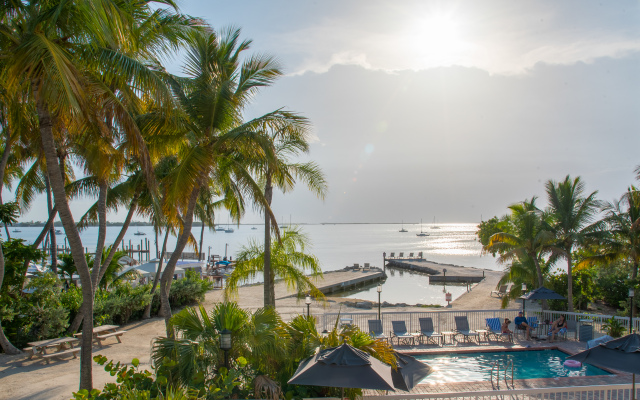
(632, 293)
(308, 301)
(524, 287)
(379, 291)
(225, 345)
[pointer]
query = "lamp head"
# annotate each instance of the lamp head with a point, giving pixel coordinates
(631, 292)
(308, 300)
(379, 288)
(225, 339)
(524, 287)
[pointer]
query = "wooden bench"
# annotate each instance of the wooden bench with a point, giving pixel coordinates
(73, 351)
(117, 334)
(29, 350)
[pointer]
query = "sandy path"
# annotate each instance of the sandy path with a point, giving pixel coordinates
(33, 379)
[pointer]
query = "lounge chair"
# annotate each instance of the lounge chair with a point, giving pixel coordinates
(401, 255)
(366, 267)
(392, 255)
(410, 255)
(375, 329)
(401, 334)
(426, 331)
(420, 255)
(462, 327)
(495, 329)
(502, 290)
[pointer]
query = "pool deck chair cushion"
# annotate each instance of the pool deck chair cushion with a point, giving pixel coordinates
(401, 334)
(426, 331)
(495, 329)
(462, 327)
(375, 329)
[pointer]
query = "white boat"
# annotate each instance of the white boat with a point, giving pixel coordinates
(220, 228)
(16, 230)
(421, 232)
(254, 228)
(402, 229)
(58, 232)
(138, 233)
(434, 226)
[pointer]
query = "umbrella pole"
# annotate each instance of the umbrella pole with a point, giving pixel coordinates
(633, 387)
(342, 393)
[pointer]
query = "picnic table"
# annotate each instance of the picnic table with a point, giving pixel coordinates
(63, 345)
(103, 332)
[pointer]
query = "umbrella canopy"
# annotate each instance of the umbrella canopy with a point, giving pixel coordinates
(409, 373)
(622, 354)
(344, 367)
(542, 293)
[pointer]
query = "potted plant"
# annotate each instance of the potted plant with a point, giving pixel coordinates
(613, 327)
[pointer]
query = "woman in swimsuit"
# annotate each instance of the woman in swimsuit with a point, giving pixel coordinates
(559, 327)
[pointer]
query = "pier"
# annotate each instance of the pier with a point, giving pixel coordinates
(341, 280)
(440, 272)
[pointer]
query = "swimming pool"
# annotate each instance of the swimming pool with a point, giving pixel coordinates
(476, 367)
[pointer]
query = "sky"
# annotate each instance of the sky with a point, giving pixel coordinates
(445, 109)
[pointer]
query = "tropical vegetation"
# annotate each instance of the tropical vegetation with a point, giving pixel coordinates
(83, 91)
(599, 241)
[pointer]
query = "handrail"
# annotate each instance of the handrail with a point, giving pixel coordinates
(495, 366)
(506, 369)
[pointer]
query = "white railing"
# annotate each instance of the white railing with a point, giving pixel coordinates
(601, 392)
(444, 321)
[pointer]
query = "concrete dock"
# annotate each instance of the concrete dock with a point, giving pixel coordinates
(341, 280)
(440, 272)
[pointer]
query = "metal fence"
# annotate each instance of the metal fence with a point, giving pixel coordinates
(444, 321)
(600, 392)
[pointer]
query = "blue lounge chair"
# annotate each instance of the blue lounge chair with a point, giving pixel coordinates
(495, 329)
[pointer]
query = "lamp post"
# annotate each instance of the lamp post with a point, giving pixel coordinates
(225, 345)
(524, 304)
(209, 254)
(631, 295)
(444, 272)
(308, 301)
(379, 291)
(226, 246)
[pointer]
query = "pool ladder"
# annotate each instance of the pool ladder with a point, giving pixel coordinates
(495, 368)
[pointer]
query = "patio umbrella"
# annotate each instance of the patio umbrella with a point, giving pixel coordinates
(409, 373)
(622, 354)
(541, 293)
(344, 367)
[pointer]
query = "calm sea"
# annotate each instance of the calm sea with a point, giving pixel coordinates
(339, 245)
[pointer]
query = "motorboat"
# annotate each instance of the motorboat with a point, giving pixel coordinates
(253, 228)
(138, 233)
(58, 232)
(422, 233)
(220, 228)
(16, 230)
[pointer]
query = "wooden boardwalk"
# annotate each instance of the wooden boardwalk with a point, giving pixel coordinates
(336, 281)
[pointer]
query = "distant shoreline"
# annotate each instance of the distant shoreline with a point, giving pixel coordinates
(196, 224)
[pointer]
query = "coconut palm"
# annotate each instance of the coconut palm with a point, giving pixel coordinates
(283, 141)
(571, 213)
(289, 262)
(529, 236)
(214, 143)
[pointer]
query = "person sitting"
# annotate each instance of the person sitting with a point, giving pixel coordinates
(505, 326)
(521, 323)
(559, 326)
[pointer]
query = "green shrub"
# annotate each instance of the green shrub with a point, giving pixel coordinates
(187, 291)
(120, 304)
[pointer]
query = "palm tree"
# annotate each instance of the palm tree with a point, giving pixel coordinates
(529, 236)
(282, 142)
(617, 235)
(571, 215)
(214, 142)
(288, 262)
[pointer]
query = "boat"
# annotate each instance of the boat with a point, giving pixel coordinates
(229, 230)
(220, 228)
(138, 233)
(421, 232)
(16, 230)
(402, 229)
(254, 228)
(58, 232)
(434, 226)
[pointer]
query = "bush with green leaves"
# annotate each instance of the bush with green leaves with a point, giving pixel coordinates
(120, 304)
(187, 291)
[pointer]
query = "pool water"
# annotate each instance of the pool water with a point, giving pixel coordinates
(476, 367)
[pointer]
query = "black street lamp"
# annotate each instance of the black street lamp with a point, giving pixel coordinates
(379, 291)
(308, 301)
(631, 295)
(225, 345)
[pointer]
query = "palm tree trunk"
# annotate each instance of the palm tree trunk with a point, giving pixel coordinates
(167, 275)
(102, 233)
(147, 310)
(201, 239)
(6, 345)
(634, 281)
(75, 243)
(269, 281)
(569, 281)
(114, 247)
(52, 231)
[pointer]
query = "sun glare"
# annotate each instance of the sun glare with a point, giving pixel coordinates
(435, 40)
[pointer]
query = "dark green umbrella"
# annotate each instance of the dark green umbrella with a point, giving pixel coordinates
(622, 354)
(344, 367)
(409, 372)
(541, 293)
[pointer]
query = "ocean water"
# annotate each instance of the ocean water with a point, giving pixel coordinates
(339, 245)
